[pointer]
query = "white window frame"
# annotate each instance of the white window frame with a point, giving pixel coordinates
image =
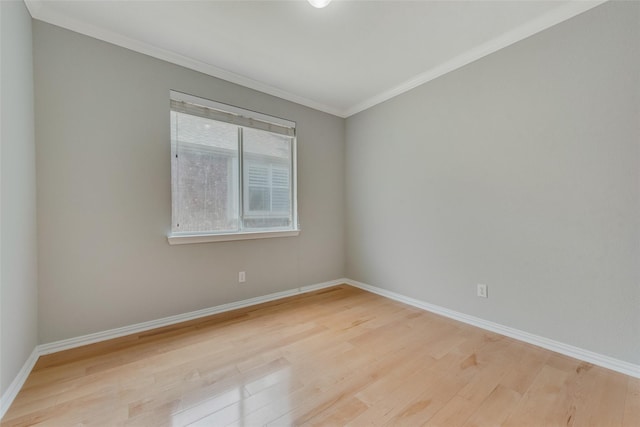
(256, 120)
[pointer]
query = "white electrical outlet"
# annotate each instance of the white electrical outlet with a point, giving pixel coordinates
(482, 291)
(242, 277)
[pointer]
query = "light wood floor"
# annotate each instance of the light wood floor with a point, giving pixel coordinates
(334, 357)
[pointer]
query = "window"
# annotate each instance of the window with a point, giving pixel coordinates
(232, 173)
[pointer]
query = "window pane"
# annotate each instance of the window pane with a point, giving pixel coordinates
(267, 180)
(204, 174)
(259, 199)
(280, 200)
(258, 175)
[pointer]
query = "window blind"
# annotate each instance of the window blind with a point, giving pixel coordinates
(184, 103)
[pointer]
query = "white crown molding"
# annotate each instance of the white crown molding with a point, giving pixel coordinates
(17, 383)
(40, 11)
(547, 20)
(559, 347)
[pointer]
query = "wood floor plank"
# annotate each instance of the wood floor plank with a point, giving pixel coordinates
(632, 403)
(334, 357)
(522, 374)
(454, 413)
(540, 405)
(495, 408)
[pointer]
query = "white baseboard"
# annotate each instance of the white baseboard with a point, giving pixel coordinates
(18, 382)
(54, 347)
(559, 347)
(67, 344)
(575, 352)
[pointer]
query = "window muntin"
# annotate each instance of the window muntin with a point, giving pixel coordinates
(227, 175)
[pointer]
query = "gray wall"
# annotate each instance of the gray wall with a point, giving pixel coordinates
(104, 202)
(520, 171)
(18, 288)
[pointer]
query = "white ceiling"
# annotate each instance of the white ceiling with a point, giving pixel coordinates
(342, 59)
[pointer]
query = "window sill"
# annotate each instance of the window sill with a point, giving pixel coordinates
(182, 239)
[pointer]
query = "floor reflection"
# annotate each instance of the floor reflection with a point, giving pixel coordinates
(254, 400)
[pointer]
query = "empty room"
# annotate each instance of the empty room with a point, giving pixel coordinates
(320, 213)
